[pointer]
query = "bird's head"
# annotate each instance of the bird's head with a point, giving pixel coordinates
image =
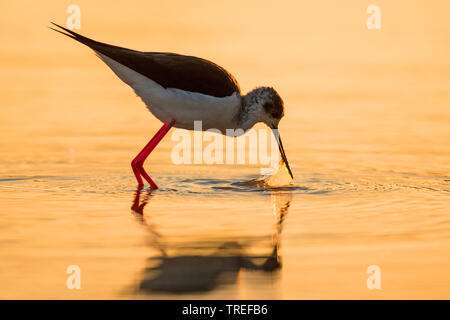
(264, 104)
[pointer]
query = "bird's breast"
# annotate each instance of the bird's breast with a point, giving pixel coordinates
(186, 108)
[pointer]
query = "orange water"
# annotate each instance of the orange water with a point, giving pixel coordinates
(366, 133)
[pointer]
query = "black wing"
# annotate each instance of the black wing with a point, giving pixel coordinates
(169, 70)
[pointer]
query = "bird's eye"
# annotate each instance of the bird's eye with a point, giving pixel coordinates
(272, 110)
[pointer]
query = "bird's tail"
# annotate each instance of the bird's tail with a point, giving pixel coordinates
(73, 35)
(104, 48)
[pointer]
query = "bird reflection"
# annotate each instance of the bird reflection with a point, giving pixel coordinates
(189, 272)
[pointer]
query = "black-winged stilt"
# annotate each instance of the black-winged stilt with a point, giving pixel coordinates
(179, 90)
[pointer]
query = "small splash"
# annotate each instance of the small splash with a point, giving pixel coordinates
(281, 178)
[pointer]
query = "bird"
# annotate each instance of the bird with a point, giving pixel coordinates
(180, 89)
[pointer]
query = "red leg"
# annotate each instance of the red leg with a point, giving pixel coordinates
(138, 162)
(135, 162)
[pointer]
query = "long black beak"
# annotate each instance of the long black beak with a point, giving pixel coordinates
(280, 146)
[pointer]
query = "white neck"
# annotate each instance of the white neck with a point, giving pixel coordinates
(252, 110)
